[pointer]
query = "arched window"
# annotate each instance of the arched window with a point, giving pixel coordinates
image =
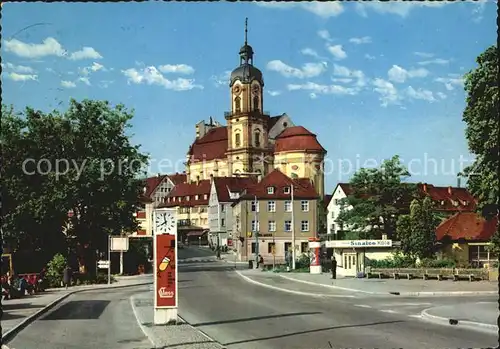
(237, 105)
(257, 138)
(237, 140)
(256, 103)
(294, 175)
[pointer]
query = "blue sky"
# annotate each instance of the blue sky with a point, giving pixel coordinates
(370, 79)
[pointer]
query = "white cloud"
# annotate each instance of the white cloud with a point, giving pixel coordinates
(309, 52)
(313, 95)
(22, 77)
(68, 84)
(18, 68)
(176, 68)
(363, 40)
(425, 95)
(342, 80)
(323, 89)
(345, 72)
(441, 95)
(96, 67)
(152, 76)
(399, 8)
(105, 83)
(367, 56)
(325, 35)
(398, 74)
(85, 53)
(435, 61)
(93, 68)
(321, 9)
(388, 93)
(222, 79)
(308, 70)
(451, 83)
(477, 13)
(49, 47)
(337, 52)
(423, 54)
(274, 93)
(85, 80)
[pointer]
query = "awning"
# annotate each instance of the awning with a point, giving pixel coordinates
(197, 233)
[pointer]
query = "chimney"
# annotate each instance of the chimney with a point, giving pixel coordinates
(449, 190)
(159, 174)
(458, 182)
(424, 186)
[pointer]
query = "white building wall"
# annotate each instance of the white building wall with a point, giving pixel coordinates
(213, 210)
(334, 211)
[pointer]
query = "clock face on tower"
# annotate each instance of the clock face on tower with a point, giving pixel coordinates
(255, 89)
(236, 89)
(165, 223)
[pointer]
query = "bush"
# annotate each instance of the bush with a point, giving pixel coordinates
(303, 262)
(55, 270)
(438, 263)
(398, 260)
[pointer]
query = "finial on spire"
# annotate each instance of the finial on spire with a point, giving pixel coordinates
(246, 29)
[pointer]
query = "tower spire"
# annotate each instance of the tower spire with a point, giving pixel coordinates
(246, 30)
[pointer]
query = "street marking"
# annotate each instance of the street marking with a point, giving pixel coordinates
(388, 311)
(403, 304)
(362, 305)
(416, 316)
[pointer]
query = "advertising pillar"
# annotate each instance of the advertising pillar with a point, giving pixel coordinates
(165, 268)
(315, 251)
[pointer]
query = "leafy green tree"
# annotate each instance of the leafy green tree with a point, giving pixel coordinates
(87, 165)
(379, 197)
(322, 218)
(417, 230)
(481, 118)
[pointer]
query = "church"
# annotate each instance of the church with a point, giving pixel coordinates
(253, 143)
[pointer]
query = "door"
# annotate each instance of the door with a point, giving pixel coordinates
(350, 264)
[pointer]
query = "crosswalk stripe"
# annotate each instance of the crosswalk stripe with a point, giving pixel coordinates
(363, 306)
(388, 311)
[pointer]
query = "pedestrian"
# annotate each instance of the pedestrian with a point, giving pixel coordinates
(67, 276)
(218, 252)
(334, 267)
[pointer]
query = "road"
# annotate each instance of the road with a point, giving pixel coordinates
(242, 315)
(94, 319)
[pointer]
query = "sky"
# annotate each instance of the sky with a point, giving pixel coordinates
(371, 80)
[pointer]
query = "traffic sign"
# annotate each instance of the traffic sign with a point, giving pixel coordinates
(103, 264)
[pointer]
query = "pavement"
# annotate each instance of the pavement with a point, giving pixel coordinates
(19, 313)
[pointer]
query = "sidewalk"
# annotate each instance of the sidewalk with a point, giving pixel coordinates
(18, 313)
(480, 315)
(416, 287)
(180, 336)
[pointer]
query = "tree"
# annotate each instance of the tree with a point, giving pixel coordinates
(417, 230)
(322, 218)
(379, 197)
(87, 165)
(482, 130)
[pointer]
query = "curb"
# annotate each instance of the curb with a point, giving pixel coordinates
(395, 293)
(317, 295)
(9, 335)
(456, 322)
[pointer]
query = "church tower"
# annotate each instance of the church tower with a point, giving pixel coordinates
(248, 143)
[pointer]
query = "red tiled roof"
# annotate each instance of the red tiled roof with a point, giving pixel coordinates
(302, 187)
(297, 138)
(224, 185)
(346, 188)
(152, 183)
(467, 225)
(213, 145)
(177, 178)
(184, 190)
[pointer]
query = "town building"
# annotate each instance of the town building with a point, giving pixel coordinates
(265, 214)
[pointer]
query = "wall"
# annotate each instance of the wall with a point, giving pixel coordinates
(204, 169)
(284, 122)
(213, 210)
(334, 211)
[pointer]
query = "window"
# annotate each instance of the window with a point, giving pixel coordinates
(255, 227)
(255, 206)
(270, 190)
(205, 196)
(288, 206)
(336, 201)
(286, 190)
(288, 246)
(196, 197)
(304, 246)
(237, 140)
(271, 225)
(256, 103)
(270, 247)
(294, 175)
(304, 226)
(304, 205)
(253, 247)
(257, 138)
(237, 105)
(188, 198)
(288, 225)
(271, 206)
(222, 208)
(333, 215)
(222, 222)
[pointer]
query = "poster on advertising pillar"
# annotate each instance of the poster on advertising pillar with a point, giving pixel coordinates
(165, 259)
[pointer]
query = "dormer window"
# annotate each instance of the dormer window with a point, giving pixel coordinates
(196, 197)
(270, 190)
(286, 190)
(188, 198)
(442, 202)
(205, 196)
